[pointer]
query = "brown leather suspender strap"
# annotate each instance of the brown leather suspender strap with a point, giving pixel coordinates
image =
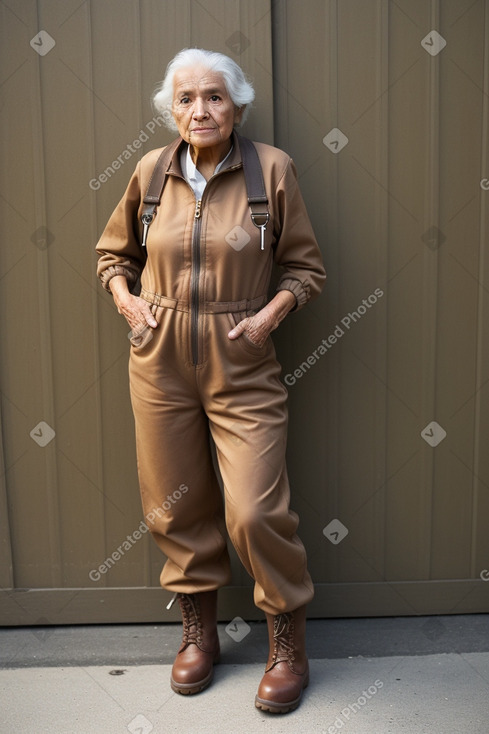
(156, 185)
(255, 186)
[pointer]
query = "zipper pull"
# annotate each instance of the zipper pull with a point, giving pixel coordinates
(197, 208)
(172, 601)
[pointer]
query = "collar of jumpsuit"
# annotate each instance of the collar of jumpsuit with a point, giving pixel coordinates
(192, 174)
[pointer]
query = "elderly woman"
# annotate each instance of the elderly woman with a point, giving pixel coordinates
(204, 363)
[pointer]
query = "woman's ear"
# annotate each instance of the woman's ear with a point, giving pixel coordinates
(238, 114)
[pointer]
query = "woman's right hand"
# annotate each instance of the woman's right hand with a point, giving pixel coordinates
(135, 310)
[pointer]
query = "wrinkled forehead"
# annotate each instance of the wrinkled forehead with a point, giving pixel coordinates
(198, 78)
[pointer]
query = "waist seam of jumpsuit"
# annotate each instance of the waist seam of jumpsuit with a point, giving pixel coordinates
(157, 299)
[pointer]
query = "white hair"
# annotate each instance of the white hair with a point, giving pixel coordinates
(239, 88)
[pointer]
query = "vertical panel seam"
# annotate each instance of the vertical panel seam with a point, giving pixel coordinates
(147, 541)
(431, 271)
(45, 325)
(95, 303)
(480, 305)
(383, 264)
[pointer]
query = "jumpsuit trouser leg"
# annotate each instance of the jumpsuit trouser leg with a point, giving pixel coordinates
(180, 494)
(236, 394)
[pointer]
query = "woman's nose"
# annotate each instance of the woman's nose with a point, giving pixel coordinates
(199, 109)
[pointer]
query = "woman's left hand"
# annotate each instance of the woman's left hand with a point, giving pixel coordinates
(258, 327)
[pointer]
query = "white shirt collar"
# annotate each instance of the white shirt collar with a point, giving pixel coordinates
(192, 174)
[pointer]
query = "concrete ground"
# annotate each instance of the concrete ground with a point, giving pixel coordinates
(368, 676)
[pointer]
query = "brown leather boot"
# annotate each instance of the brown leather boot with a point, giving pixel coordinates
(193, 667)
(287, 671)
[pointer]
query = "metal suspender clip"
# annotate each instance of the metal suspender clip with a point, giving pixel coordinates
(146, 218)
(265, 217)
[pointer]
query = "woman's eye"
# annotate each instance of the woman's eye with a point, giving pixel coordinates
(215, 98)
(184, 100)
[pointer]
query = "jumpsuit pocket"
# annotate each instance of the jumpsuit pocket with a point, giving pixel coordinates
(244, 340)
(141, 338)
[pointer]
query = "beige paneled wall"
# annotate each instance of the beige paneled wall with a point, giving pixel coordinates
(401, 216)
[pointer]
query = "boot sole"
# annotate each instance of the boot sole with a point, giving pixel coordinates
(187, 689)
(273, 707)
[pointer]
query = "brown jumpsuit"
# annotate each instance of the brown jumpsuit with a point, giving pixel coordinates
(204, 273)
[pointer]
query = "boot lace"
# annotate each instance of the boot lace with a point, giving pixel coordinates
(192, 623)
(283, 640)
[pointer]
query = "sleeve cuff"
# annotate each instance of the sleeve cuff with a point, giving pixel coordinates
(297, 288)
(113, 270)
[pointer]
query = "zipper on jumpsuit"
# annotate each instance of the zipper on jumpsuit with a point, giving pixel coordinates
(194, 306)
(195, 278)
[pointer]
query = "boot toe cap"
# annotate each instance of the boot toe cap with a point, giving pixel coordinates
(280, 685)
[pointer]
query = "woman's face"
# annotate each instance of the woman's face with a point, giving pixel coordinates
(202, 108)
